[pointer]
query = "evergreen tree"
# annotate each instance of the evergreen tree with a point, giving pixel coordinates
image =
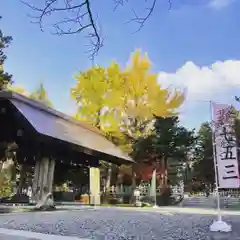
(5, 77)
(203, 168)
(169, 144)
(40, 94)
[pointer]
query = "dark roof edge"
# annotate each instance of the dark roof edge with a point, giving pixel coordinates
(8, 94)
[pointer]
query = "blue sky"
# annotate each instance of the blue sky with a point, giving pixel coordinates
(195, 45)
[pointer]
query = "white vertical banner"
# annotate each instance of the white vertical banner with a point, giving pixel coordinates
(226, 146)
(153, 185)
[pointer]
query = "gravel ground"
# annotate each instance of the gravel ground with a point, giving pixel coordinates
(121, 224)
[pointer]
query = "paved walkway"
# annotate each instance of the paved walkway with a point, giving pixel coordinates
(177, 210)
(10, 234)
(5, 209)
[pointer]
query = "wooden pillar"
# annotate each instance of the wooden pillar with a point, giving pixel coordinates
(44, 170)
(51, 169)
(23, 170)
(40, 179)
(42, 183)
(45, 165)
(36, 180)
(94, 180)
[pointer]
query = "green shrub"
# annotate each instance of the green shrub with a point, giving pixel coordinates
(5, 185)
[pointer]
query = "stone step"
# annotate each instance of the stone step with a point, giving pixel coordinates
(210, 202)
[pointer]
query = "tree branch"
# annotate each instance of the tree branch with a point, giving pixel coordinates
(79, 18)
(141, 20)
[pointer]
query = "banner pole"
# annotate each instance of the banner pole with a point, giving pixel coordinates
(219, 225)
(155, 200)
(215, 166)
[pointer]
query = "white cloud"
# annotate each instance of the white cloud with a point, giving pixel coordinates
(203, 83)
(219, 4)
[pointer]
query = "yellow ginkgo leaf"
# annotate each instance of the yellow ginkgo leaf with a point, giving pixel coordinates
(124, 100)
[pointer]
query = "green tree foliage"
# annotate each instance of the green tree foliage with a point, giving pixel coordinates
(203, 168)
(169, 143)
(40, 94)
(6, 186)
(5, 41)
(5, 181)
(17, 89)
(168, 140)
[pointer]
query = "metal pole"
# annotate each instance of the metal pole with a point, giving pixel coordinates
(155, 197)
(215, 165)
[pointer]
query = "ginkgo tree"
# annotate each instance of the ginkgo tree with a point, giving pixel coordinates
(98, 96)
(95, 94)
(122, 102)
(143, 97)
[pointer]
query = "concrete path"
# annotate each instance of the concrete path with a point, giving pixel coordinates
(177, 210)
(10, 234)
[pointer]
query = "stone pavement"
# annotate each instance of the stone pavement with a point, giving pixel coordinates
(120, 224)
(9, 237)
(11, 234)
(210, 202)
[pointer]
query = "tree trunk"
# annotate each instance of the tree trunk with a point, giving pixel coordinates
(164, 172)
(23, 171)
(133, 177)
(1, 165)
(109, 175)
(1, 173)
(133, 183)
